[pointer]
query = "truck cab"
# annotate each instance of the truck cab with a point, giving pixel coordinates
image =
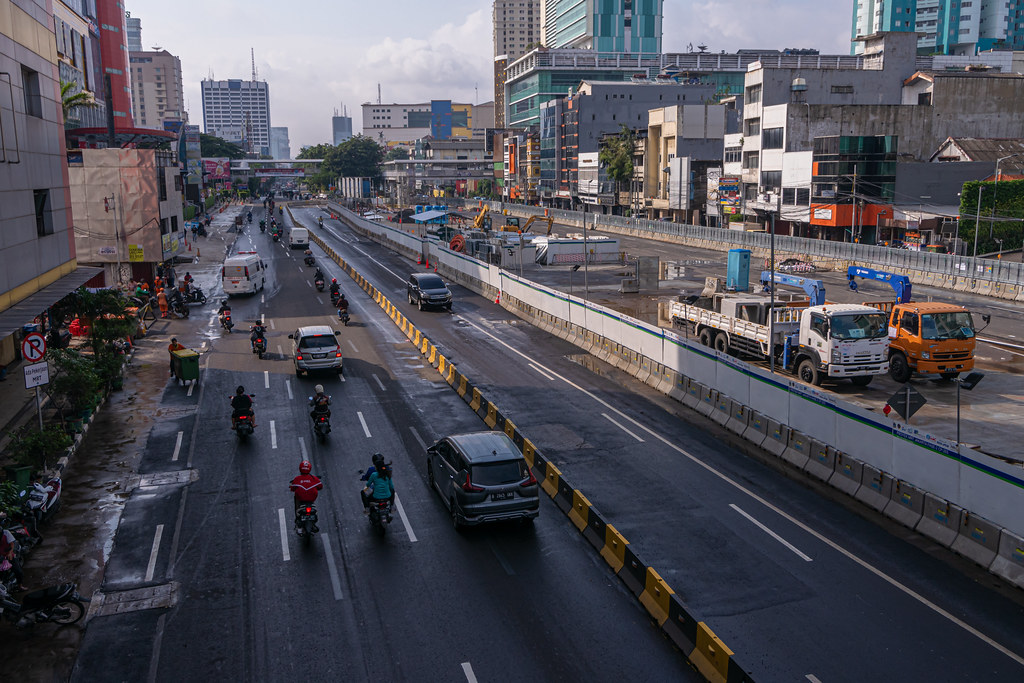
(930, 338)
(841, 341)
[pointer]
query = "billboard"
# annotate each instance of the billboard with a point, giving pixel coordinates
(729, 194)
(193, 157)
(218, 168)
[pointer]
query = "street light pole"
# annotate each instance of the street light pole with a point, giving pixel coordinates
(977, 223)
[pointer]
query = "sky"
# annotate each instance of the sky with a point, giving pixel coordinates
(328, 53)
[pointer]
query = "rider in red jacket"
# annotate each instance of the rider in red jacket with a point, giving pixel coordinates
(305, 487)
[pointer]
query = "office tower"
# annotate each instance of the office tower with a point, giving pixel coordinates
(516, 32)
(943, 26)
(239, 112)
(157, 94)
(632, 26)
(133, 32)
(114, 55)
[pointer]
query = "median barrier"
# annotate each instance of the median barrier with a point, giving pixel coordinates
(591, 342)
(633, 572)
(694, 389)
(596, 530)
(821, 461)
(552, 475)
(977, 539)
(739, 417)
(614, 550)
(708, 396)
(757, 428)
(475, 400)
(1009, 560)
(776, 438)
(461, 385)
(940, 520)
(565, 496)
(647, 369)
(711, 656)
(678, 390)
(960, 284)
(491, 416)
(906, 504)
(847, 475)
(798, 450)
(656, 596)
(721, 409)
(665, 380)
(579, 513)
(680, 626)
(985, 288)
(876, 488)
(604, 351)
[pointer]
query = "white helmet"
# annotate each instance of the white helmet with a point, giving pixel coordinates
(319, 388)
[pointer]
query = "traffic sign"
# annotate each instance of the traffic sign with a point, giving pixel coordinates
(37, 375)
(33, 347)
(906, 402)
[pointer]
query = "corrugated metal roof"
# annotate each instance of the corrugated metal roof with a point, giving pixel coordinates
(23, 312)
(993, 149)
(428, 216)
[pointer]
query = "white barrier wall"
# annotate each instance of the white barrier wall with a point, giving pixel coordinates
(977, 482)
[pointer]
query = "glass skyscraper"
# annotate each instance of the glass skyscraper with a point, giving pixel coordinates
(951, 27)
(631, 26)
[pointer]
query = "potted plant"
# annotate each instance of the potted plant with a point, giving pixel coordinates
(76, 382)
(34, 448)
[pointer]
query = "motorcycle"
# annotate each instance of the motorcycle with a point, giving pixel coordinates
(305, 522)
(276, 236)
(42, 502)
(320, 220)
(309, 260)
(249, 217)
(380, 516)
(225, 321)
(18, 525)
(334, 298)
(59, 604)
(343, 316)
(259, 346)
(195, 296)
(243, 426)
(319, 284)
(321, 421)
(179, 308)
(263, 226)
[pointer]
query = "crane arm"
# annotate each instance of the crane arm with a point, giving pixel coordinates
(900, 284)
(815, 289)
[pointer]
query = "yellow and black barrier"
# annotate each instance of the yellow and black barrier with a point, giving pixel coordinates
(693, 637)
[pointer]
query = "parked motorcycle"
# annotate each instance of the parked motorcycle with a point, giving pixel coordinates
(23, 527)
(380, 516)
(305, 522)
(59, 604)
(225, 321)
(42, 501)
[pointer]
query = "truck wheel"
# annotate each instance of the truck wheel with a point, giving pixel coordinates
(807, 371)
(949, 376)
(862, 381)
(705, 337)
(899, 369)
(722, 342)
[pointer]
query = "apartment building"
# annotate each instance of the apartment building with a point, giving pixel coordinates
(157, 94)
(238, 111)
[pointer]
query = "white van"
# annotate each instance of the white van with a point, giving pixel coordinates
(298, 238)
(243, 273)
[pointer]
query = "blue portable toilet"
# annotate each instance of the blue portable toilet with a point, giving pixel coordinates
(737, 277)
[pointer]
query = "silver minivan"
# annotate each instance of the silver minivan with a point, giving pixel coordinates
(482, 477)
(316, 347)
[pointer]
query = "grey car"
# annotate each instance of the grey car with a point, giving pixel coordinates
(482, 477)
(315, 347)
(428, 289)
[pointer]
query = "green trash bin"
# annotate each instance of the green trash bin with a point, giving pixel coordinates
(19, 475)
(186, 365)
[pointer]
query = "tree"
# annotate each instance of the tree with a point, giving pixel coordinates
(71, 98)
(358, 157)
(1001, 213)
(320, 151)
(616, 155)
(397, 154)
(213, 146)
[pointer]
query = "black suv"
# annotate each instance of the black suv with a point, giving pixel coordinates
(428, 289)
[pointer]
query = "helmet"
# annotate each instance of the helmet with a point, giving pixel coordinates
(240, 390)
(334, 280)
(223, 302)
(319, 388)
(305, 467)
(378, 460)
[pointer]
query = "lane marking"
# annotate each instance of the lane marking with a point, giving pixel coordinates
(771, 533)
(366, 429)
(266, 379)
(320, 300)
(284, 534)
(288, 386)
(379, 383)
(400, 278)
(177, 447)
(279, 351)
(812, 678)
(271, 323)
(467, 669)
(777, 510)
(302, 449)
(632, 434)
(273, 435)
(263, 318)
(309, 284)
(190, 388)
(263, 298)
(300, 267)
(541, 372)
(416, 435)
(332, 567)
(405, 520)
(154, 552)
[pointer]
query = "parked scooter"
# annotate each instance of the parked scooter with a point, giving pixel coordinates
(195, 296)
(59, 604)
(42, 501)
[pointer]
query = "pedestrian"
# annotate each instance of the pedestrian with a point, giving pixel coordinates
(159, 270)
(8, 557)
(161, 299)
(171, 348)
(158, 283)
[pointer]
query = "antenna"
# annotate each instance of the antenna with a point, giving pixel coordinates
(378, 93)
(476, 93)
(252, 52)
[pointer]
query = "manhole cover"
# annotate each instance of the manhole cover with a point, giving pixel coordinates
(119, 602)
(162, 479)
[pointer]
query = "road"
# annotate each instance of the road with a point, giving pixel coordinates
(233, 594)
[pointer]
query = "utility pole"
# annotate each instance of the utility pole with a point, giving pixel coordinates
(853, 223)
(977, 223)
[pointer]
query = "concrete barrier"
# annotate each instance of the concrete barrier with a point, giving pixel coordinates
(876, 488)
(708, 396)
(656, 596)
(940, 520)
(1009, 561)
(977, 539)
(739, 417)
(614, 550)
(721, 409)
(633, 572)
(678, 390)
(906, 504)
(694, 390)
(847, 476)
(798, 450)
(777, 438)
(821, 464)
(667, 380)
(757, 428)
(579, 514)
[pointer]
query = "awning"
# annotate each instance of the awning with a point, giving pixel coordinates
(428, 216)
(23, 312)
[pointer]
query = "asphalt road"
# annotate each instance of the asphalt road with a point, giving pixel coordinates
(796, 584)
(423, 603)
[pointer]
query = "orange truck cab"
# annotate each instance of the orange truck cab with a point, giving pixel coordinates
(928, 337)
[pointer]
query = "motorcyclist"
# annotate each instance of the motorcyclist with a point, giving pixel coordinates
(263, 223)
(318, 275)
(225, 307)
(342, 306)
(320, 220)
(320, 403)
(257, 331)
(241, 404)
(308, 257)
(249, 216)
(305, 487)
(379, 486)
(335, 287)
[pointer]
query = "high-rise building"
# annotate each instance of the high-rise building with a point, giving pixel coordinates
(133, 32)
(157, 94)
(406, 123)
(632, 26)
(280, 147)
(517, 27)
(341, 128)
(239, 112)
(943, 26)
(37, 253)
(76, 31)
(114, 56)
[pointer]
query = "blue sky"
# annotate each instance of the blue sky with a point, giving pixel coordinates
(325, 53)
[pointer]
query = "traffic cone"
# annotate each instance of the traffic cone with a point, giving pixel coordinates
(419, 260)
(197, 252)
(497, 299)
(428, 263)
(435, 266)
(189, 246)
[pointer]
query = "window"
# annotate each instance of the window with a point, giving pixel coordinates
(819, 324)
(771, 138)
(909, 322)
(752, 95)
(44, 219)
(733, 155)
(842, 89)
(771, 181)
(751, 160)
(752, 126)
(174, 224)
(30, 86)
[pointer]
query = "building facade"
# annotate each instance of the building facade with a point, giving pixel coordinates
(37, 253)
(114, 57)
(403, 124)
(516, 26)
(948, 27)
(238, 111)
(76, 32)
(632, 26)
(133, 32)
(280, 147)
(157, 94)
(341, 129)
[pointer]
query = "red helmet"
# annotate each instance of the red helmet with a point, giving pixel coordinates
(305, 467)
(334, 280)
